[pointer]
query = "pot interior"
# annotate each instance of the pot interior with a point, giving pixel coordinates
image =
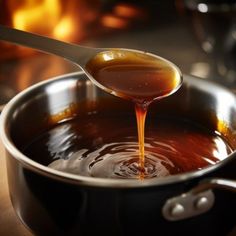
(45, 105)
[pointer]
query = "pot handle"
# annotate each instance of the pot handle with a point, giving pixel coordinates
(215, 183)
(198, 200)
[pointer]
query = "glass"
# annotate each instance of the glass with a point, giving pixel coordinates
(214, 22)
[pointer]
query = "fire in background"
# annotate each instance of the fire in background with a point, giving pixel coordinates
(74, 21)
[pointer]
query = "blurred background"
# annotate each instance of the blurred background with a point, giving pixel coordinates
(198, 36)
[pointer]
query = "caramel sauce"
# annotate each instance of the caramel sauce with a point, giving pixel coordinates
(139, 77)
(89, 145)
(103, 144)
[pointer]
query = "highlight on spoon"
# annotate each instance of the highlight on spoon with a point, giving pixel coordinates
(134, 75)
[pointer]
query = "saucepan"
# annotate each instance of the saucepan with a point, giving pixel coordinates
(52, 202)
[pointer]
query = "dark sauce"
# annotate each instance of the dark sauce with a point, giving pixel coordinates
(105, 145)
(139, 77)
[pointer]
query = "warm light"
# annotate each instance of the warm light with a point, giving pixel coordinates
(63, 20)
(42, 67)
(40, 15)
(128, 11)
(108, 56)
(114, 22)
(63, 29)
(222, 127)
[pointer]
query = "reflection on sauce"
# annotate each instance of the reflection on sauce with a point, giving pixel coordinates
(138, 77)
(90, 146)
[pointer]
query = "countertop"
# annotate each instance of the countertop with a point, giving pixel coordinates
(10, 225)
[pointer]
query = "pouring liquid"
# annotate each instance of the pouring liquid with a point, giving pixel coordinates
(138, 77)
(89, 145)
(105, 145)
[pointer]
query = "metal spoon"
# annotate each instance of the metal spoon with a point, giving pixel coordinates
(81, 55)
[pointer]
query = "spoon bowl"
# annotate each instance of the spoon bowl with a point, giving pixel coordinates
(126, 73)
(134, 75)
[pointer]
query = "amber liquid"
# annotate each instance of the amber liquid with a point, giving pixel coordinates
(141, 78)
(91, 146)
(138, 77)
(105, 145)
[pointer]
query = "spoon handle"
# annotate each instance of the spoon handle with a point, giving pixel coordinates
(72, 52)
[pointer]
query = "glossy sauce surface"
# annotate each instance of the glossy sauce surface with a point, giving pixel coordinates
(139, 77)
(91, 146)
(106, 145)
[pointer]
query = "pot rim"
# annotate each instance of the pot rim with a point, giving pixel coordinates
(84, 180)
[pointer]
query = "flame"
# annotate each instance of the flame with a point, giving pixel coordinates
(64, 29)
(113, 21)
(63, 20)
(40, 15)
(122, 16)
(44, 17)
(128, 11)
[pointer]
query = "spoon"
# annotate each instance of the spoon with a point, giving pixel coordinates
(134, 75)
(114, 70)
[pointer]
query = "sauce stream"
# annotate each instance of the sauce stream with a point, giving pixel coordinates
(139, 77)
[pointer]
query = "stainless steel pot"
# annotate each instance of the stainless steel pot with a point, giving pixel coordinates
(51, 202)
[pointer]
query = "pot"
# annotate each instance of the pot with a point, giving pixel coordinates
(51, 202)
